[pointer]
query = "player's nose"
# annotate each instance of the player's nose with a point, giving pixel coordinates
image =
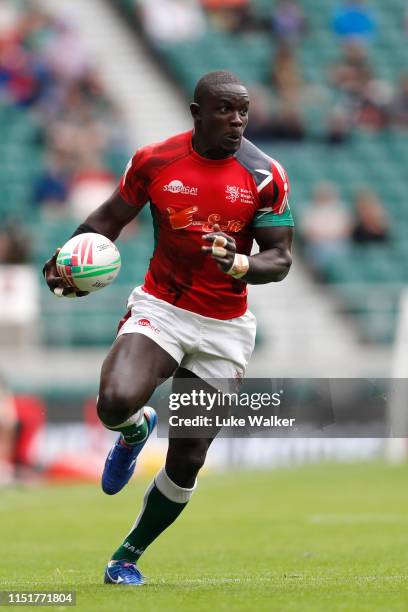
(236, 120)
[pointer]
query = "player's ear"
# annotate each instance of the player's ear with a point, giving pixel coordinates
(195, 111)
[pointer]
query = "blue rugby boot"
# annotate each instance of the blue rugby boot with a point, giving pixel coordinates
(121, 461)
(123, 572)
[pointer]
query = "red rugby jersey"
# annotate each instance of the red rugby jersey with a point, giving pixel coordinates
(188, 194)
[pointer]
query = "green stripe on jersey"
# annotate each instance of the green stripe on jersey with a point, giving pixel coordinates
(271, 219)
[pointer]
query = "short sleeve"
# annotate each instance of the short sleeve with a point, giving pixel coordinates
(133, 184)
(274, 209)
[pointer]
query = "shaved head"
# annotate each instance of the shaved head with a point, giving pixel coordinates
(220, 113)
(212, 81)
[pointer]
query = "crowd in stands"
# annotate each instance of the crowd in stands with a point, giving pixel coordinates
(350, 95)
(14, 242)
(22, 419)
(329, 228)
(46, 70)
(361, 98)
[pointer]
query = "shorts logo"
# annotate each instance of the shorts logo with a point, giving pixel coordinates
(146, 323)
(177, 186)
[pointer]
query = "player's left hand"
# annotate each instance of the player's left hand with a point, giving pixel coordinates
(223, 248)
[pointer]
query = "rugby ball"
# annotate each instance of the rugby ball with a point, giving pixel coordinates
(88, 262)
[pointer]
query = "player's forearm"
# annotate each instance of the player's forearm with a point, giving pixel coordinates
(104, 225)
(269, 266)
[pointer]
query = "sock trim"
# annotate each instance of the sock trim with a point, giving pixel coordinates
(171, 490)
(135, 419)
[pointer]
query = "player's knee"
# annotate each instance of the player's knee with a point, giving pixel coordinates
(115, 406)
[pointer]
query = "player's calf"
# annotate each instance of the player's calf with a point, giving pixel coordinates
(185, 458)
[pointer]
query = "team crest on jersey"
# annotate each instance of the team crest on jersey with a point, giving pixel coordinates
(177, 186)
(235, 193)
(232, 192)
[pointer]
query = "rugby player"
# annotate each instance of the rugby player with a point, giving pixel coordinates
(211, 193)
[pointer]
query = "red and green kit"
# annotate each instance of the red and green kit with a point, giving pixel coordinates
(188, 195)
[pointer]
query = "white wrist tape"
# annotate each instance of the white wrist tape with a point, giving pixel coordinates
(239, 267)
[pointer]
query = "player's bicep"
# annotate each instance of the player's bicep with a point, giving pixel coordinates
(277, 237)
(120, 208)
(112, 216)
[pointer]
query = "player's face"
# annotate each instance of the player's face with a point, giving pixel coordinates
(222, 118)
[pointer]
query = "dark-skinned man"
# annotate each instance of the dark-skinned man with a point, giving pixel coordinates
(211, 193)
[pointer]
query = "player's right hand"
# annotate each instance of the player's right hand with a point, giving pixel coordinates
(54, 281)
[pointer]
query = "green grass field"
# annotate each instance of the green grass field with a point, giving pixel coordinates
(319, 538)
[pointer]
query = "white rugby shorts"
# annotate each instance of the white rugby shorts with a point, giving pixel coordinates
(210, 348)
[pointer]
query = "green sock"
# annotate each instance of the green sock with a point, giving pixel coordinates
(133, 434)
(162, 504)
(134, 430)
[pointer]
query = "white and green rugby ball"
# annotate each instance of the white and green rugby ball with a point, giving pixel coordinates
(88, 262)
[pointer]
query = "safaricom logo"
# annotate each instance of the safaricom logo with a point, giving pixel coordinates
(146, 323)
(177, 186)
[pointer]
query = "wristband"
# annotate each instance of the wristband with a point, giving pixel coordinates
(239, 267)
(81, 229)
(84, 229)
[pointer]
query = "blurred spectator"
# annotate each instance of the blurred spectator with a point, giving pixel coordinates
(371, 223)
(351, 73)
(172, 20)
(286, 76)
(18, 83)
(22, 420)
(339, 125)
(288, 21)
(9, 17)
(326, 226)
(354, 20)
(14, 243)
(260, 116)
(65, 54)
(52, 186)
(92, 183)
(8, 433)
(374, 107)
(287, 121)
(273, 119)
(231, 15)
(399, 108)
(45, 67)
(364, 98)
